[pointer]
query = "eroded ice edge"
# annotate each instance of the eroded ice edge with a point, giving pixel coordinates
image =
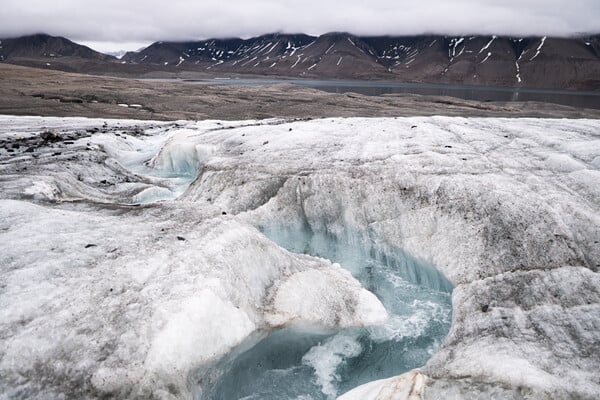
(136, 257)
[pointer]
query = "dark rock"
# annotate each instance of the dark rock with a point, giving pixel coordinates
(42, 46)
(70, 100)
(50, 136)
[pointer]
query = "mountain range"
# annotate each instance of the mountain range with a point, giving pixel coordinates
(537, 62)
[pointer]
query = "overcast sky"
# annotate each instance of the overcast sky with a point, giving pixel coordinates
(128, 24)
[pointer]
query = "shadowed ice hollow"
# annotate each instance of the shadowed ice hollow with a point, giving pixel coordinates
(295, 363)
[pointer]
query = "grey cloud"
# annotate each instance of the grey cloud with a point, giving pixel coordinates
(137, 21)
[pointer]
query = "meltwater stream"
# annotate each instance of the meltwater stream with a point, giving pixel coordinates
(306, 364)
(303, 363)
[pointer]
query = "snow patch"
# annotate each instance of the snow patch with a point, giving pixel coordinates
(297, 61)
(456, 42)
(539, 49)
(487, 45)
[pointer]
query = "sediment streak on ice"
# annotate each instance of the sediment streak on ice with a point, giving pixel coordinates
(104, 298)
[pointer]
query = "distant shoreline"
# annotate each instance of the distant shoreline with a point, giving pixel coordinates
(32, 91)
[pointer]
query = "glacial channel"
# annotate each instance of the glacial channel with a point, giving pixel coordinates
(301, 362)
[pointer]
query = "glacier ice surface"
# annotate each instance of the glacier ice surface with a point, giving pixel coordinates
(105, 285)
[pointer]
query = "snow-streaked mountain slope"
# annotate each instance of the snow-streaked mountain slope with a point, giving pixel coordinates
(475, 59)
(108, 292)
(488, 60)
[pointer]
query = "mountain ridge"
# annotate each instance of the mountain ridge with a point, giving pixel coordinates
(538, 62)
(44, 45)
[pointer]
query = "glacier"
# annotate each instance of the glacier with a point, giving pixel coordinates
(152, 259)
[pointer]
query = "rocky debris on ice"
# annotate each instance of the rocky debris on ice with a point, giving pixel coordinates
(507, 209)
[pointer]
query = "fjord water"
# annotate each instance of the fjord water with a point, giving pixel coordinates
(307, 363)
(579, 99)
